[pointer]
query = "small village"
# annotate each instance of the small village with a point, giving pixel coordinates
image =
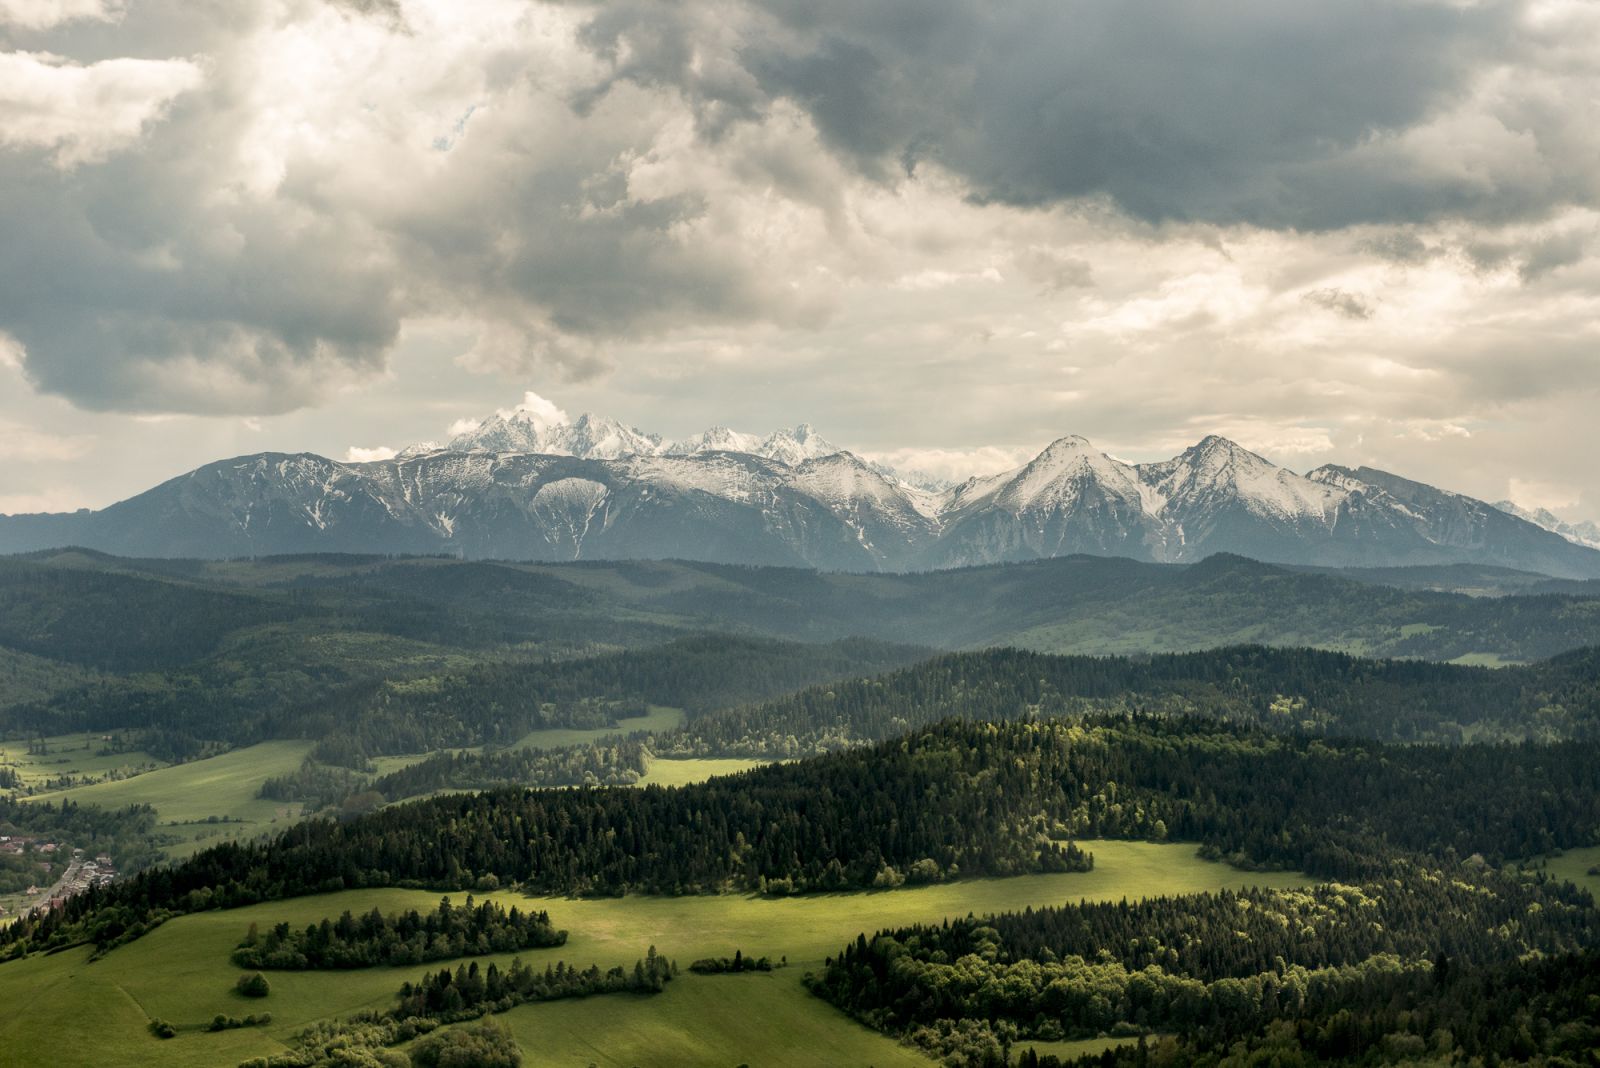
(81, 873)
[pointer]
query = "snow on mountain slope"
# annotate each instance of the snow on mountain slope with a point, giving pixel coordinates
(590, 437)
(1071, 498)
(1218, 470)
(597, 437)
(717, 439)
(1587, 533)
(794, 447)
(1062, 474)
(596, 489)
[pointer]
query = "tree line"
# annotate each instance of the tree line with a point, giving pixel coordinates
(400, 939)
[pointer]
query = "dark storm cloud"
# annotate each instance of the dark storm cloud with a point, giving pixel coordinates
(1247, 111)
(130, 291)
(576, 179)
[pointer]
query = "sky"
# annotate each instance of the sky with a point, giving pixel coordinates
(945, 232)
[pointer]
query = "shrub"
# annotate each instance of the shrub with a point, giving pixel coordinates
(254, 985)
(487, 1045)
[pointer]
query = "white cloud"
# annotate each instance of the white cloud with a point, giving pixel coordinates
(537, 410)
(44, 14)
(84, 113)
(11, 353)
(355, 454)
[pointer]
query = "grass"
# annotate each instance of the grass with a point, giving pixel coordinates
(1573, 866)
(1068, 1049)
(76, 755)
(1491, 660)
(658, 719)
(185, 796)
(683, 772)
(180, 973)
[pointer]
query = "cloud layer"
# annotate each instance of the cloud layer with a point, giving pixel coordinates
(1361, 231)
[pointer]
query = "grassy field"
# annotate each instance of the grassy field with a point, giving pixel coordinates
(186, 796)
(1574, 865)
(1492, 660)
(665, 772)
(658, 719)
(74, 755)
(1078, 1047)
(180, 973)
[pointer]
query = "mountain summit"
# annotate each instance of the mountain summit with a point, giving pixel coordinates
(534, 485)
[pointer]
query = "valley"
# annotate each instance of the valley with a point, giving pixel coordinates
(849, 759)
(181, 973)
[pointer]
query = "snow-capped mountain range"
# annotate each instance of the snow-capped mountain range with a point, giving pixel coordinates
(1586, 533)
(594, 437)
(525, 486)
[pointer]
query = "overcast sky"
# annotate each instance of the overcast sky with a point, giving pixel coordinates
(943, 231)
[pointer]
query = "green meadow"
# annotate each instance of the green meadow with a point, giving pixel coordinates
(1578, 866)
(77, 756)
(658, 719)
(66, 1010)
(186, 797)
(687, 771)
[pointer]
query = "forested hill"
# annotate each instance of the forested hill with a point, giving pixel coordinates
(1303, 691)
(363, 695)
(371, 656)
(951, 801)
(104, 612)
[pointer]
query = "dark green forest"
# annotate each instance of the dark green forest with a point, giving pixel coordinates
(1290, 691)
(1420, 963)
(374, 656)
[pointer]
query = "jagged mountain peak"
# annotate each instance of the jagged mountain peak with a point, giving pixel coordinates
(1583, 533)
(1068, 444)
(533, 484)
(795, 446)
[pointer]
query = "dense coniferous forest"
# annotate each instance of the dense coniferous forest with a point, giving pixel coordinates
(371, 656)
(1334, 964)
(1292, 690)
(407, 938)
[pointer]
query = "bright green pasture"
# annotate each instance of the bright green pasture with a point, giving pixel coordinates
(67, 1011)
(76, 755)
(665, 772)
(185, 795)
(657, 719)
